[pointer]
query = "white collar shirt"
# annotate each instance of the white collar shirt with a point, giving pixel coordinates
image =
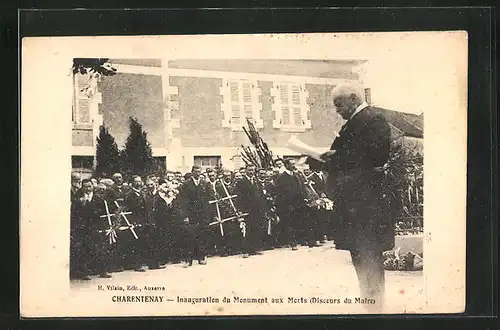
(361, 107)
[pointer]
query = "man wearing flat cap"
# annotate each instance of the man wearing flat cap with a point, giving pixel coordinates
(357, 183)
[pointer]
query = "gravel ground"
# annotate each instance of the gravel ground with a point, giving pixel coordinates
(320, 272)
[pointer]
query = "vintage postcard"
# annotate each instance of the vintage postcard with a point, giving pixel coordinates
(270, 174)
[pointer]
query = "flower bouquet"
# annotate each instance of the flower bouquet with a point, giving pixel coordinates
(324, 203)
(410, 261)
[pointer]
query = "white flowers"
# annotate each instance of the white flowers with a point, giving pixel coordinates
(324, 203)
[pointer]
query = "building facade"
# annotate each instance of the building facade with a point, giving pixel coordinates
(193, 110)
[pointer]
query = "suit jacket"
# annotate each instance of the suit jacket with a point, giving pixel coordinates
(193, 202)
(88, 215)
(362, 145)
(136, 203)
(118, 193)
(290, 194)
(165, 216)
(250, 198)
(319, 182)
(359, 186)
(267, 189)
(225, 208)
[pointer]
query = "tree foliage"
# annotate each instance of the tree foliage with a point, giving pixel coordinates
(406, 173)
(260, 155)
(107, 153)
(93, 65)
(137, 156)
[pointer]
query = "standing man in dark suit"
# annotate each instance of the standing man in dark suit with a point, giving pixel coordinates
(290, 204)
(357, 181)
(318, 178)
(137, 249)
(266, 189)
(233, 236)
(92, 257)
(250, 200)
(193, 201)
(152, 232)
(165, 213)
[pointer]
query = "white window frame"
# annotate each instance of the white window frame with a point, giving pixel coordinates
(278, 105)
(226, 105)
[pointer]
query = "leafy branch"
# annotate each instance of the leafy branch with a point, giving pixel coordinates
(93, 65)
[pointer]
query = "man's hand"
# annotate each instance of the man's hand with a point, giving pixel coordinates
(325, 156)
(186, 220)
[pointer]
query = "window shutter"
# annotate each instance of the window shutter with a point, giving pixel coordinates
(290, 107)
(297, 116)
(247, 100)
(235, 97)
(82, 100)
(296, 111)
(235, 102)
(285, 109)
(295, 95)
(285, 115)
(83, 110)
(284, 93)
(240, 100)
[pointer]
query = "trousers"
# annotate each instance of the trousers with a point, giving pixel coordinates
(369, 266)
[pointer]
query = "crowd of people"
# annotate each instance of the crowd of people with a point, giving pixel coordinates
(148, 222)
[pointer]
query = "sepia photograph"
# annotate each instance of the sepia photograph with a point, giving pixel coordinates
(251, 182)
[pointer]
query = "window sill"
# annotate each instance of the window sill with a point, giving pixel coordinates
(292, 129)
(239, 127)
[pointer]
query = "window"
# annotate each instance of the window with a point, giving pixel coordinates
(82, 165)
(82, 101)
(85, 99)
(207, 161)
(291, 111)
(240, 102)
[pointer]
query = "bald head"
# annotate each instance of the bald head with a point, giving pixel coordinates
(76, 180)
(118, 178)
(346, 98)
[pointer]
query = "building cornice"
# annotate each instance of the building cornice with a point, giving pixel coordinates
(156, 71)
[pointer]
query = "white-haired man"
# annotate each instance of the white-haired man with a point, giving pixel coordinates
(119, 189)
(356, 181)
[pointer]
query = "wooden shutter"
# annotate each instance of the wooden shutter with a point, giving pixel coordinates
(235, 102)
(285, 101)
(247, 99)
(84, 110)
(82, 100)
(296, 110)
